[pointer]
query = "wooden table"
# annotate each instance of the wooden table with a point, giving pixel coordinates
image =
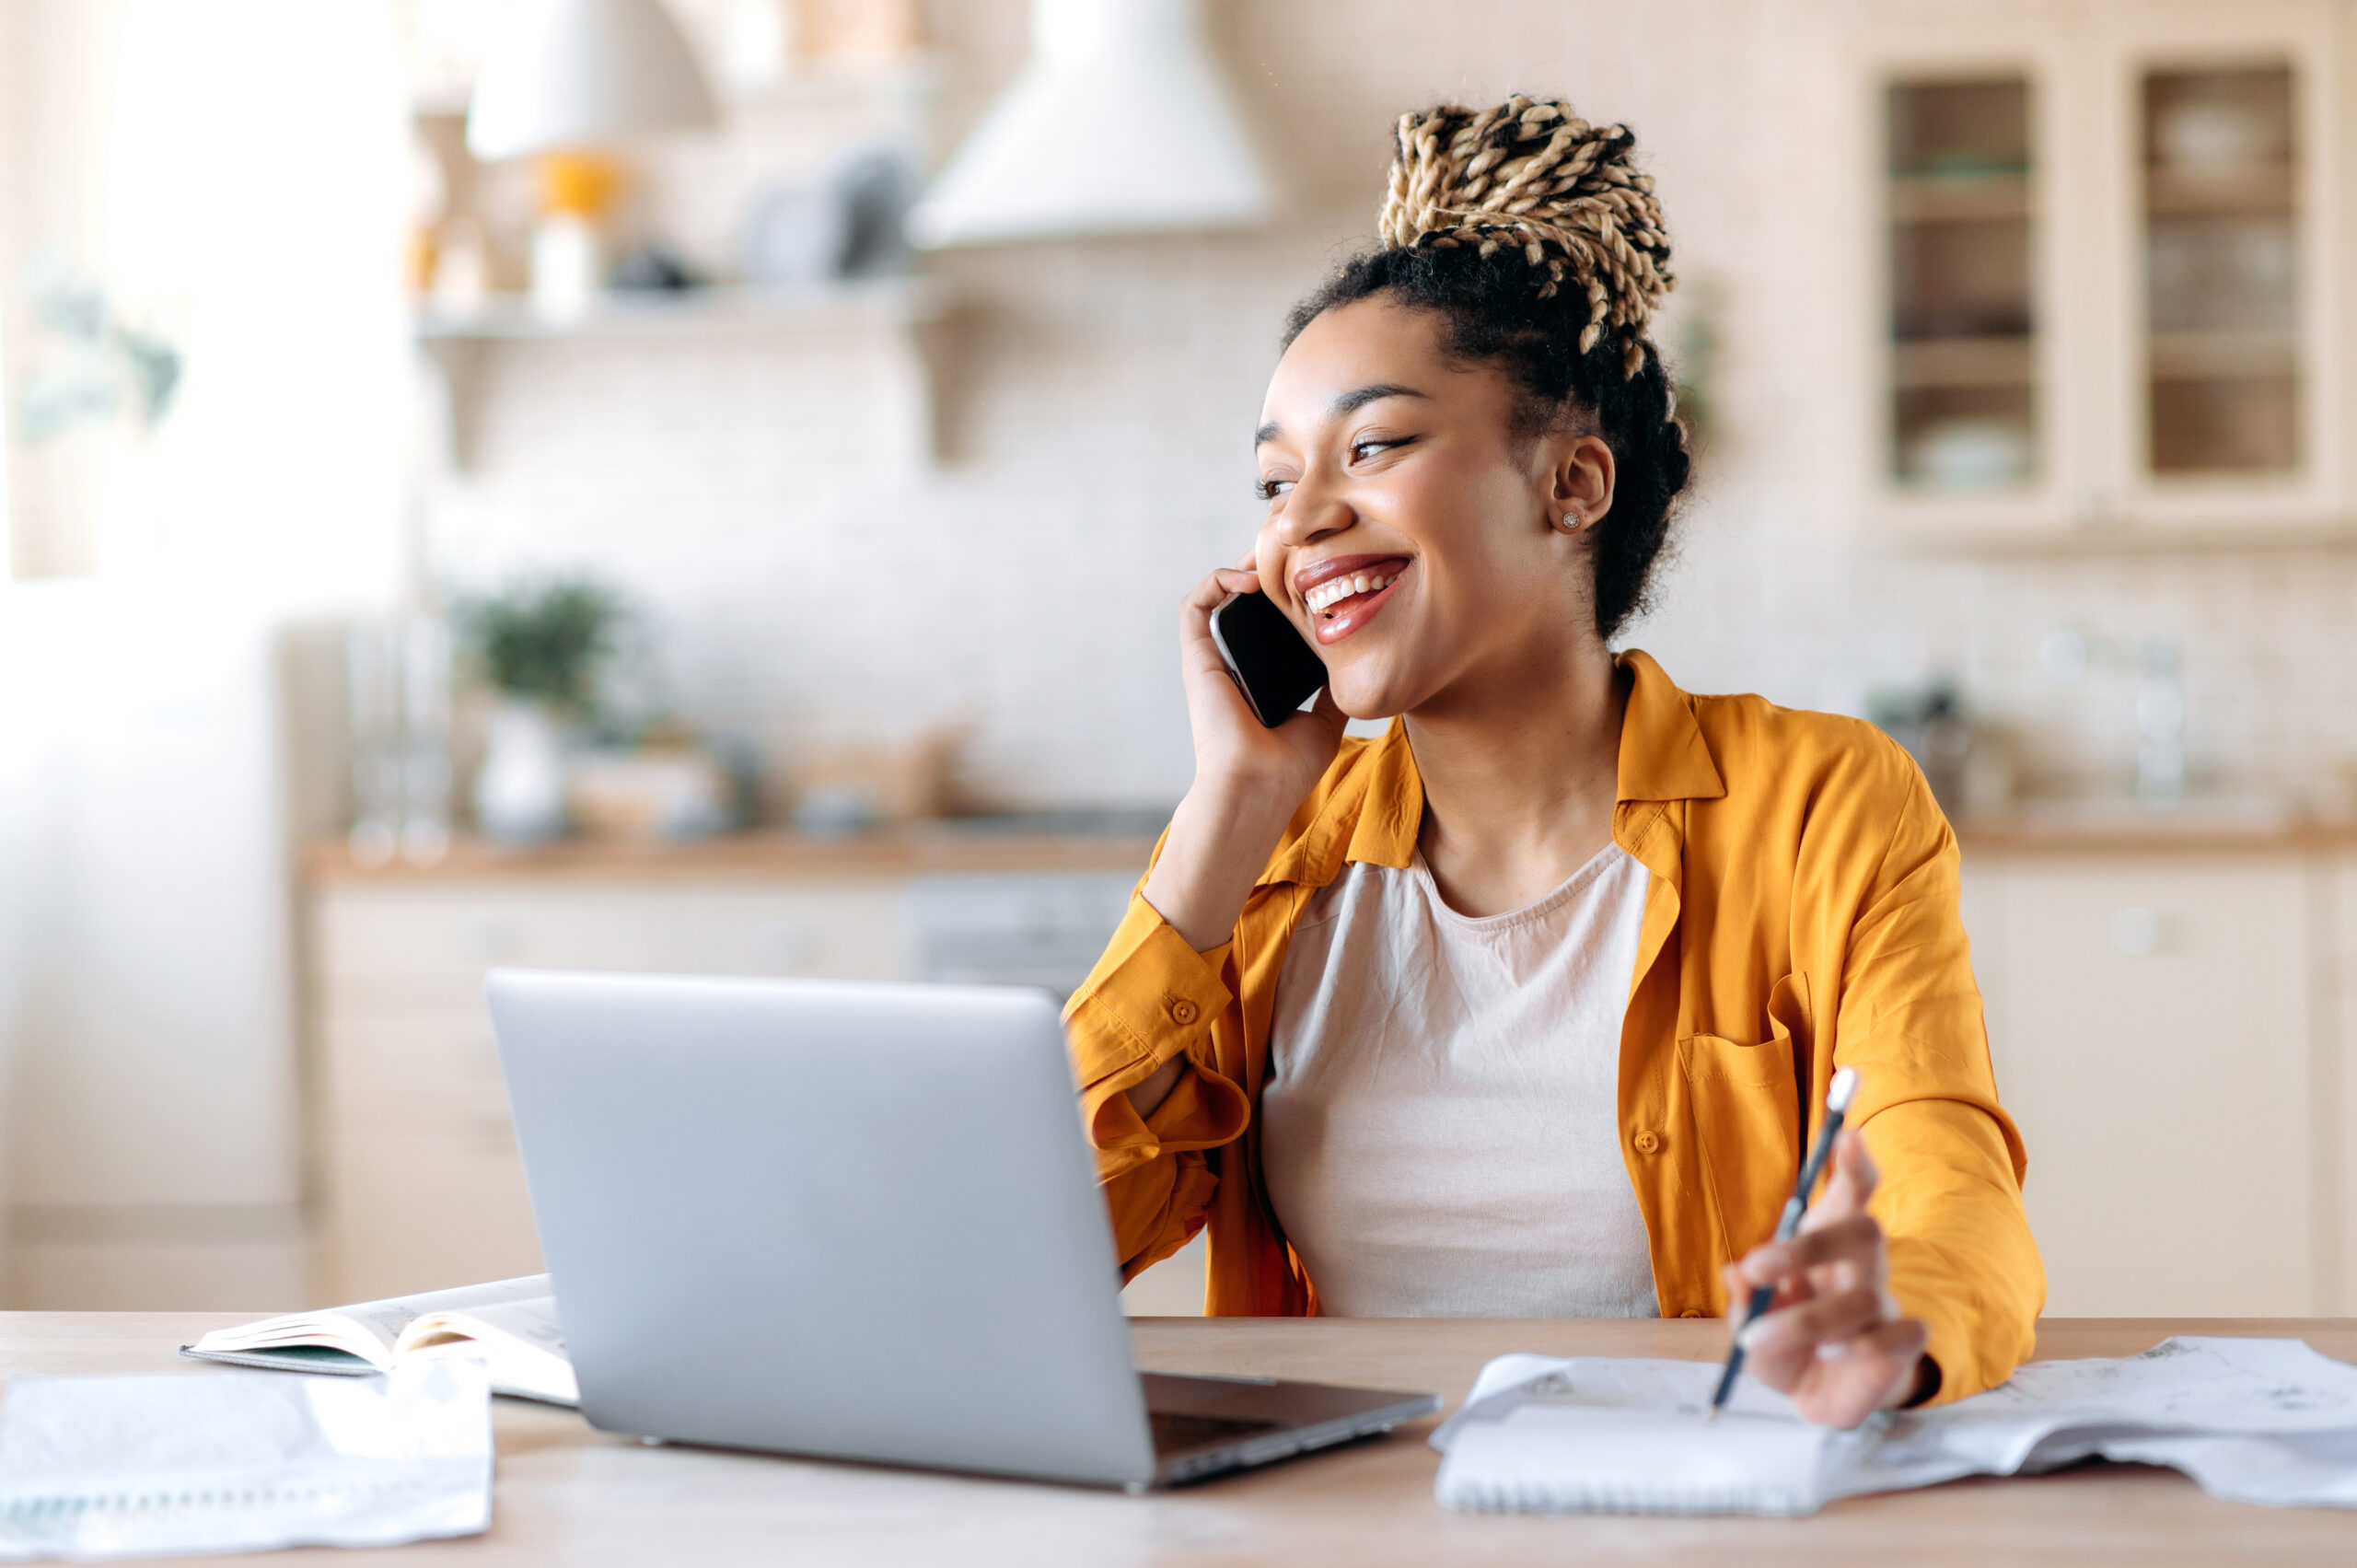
(567, 1494)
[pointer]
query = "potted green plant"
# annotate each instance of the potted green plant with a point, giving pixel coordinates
(540, 647)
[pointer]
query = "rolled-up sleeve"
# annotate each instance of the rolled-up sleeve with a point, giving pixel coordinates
(1962, 1257)
(1152, 998)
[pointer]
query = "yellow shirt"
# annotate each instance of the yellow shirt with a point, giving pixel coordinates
(1802, 915)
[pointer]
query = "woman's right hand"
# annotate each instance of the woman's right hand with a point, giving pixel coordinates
(1234, 753)
(1249, 779)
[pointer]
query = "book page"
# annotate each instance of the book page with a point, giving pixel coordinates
(395, 1313)
(522, 1341)
(368, 1329)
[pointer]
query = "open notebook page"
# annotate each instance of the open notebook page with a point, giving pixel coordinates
(2185, 1383)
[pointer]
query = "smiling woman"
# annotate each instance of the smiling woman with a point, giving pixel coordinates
(1520, 1009)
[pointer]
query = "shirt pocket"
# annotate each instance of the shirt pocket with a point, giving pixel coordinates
(1745, 1098)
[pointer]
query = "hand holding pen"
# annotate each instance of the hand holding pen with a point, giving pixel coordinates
(1833, 1338)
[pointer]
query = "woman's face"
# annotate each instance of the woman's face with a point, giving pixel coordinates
(1413, 537)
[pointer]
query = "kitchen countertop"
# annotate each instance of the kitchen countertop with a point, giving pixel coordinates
(917, 850)
(2255, 825)
(1016, 845)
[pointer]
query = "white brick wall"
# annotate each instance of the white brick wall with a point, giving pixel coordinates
(1101, 405)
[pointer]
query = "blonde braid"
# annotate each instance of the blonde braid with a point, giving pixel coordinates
(1536, 178)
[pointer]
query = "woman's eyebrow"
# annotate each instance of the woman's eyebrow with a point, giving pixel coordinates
(1357, 399)
(1350, 401)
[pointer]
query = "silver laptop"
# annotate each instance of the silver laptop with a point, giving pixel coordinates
(856, 1221)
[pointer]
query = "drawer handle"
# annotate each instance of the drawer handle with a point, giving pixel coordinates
(2134, 931)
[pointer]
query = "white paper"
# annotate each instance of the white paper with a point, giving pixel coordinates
(169, 1464)
(2258, 1420)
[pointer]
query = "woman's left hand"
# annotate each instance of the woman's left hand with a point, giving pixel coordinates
(1833, 1340)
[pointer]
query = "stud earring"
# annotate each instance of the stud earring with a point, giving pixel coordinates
(1573, 520)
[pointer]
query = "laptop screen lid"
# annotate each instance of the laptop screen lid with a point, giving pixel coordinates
(824, 1217)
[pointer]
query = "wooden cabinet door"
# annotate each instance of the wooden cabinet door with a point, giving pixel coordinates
(2336, 1091)
(2152, 1026)
(422, 1185)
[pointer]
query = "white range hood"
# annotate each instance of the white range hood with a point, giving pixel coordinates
(1119, 123)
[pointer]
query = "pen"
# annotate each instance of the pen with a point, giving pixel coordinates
(1838, 1096)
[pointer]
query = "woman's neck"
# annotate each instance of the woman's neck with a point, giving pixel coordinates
(1520, 777)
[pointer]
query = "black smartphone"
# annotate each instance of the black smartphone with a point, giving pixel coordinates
(1270, 658)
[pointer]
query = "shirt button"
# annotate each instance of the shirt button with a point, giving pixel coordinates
(1648, 1142)
(1692, 1312)
(1183, 1011)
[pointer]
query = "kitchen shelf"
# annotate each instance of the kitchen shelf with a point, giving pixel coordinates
(899, 311)
(1963, 361)
(1954, 525)
(2177, 193)
(686, 313)
(1932, 198)
(2178, 357)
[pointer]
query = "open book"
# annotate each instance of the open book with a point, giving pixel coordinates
(510, 1324)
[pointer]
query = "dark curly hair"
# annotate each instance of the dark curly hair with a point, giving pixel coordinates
(1489, 214)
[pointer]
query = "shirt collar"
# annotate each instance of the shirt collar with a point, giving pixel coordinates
(1374, 813)
(1663, 755)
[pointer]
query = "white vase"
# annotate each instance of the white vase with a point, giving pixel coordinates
(519, 793)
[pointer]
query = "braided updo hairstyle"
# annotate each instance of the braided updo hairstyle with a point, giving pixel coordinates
(1525, 228)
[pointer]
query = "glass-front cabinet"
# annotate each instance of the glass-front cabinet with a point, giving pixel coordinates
(2221, 181)
(1963, 302)
(2107, 310)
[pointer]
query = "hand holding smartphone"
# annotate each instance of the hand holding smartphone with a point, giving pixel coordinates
(1272, 662)
(1250, 777)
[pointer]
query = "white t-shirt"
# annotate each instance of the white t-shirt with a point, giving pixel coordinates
(1440, 1131)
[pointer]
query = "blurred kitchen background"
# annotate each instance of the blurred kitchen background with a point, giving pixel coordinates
(704, 484)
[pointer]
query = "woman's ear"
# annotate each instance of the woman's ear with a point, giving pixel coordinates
(1580, 477)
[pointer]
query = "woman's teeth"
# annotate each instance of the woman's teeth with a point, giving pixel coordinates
(1333, 590)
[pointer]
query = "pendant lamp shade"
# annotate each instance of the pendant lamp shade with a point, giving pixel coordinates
(1118, 123)
(585, 73)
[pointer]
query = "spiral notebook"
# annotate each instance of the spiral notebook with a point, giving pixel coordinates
(2257, 1420)
(1596, 1436)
